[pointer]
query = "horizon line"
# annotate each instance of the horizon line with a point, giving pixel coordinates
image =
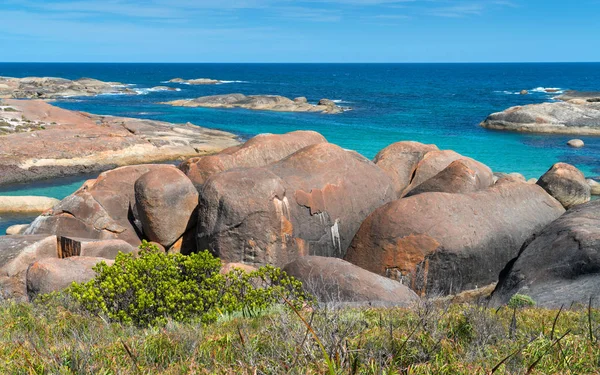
(300, 62)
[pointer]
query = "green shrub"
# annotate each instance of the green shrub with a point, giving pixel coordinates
(519, 301)
(147, 290)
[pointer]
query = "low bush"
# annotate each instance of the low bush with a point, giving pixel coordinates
(519, 301)
(155, 286)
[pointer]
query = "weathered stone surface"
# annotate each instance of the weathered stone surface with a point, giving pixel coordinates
(447, 243)
(400, 160)
(100, 209)
(310, 203)
(26, 204)
(196, 81)
(523, 92)
(16, 254)
(57, 142)
(53, 274)
(334, 280)
(577, 116)
(576, 143)
(461, 176)
(228, 267)
(51, 87)
(108, 249)
(258, 102)
(567, 184)
(166, 202)
(594, 186)
(560, 265)
(258, 151)
(16, 229)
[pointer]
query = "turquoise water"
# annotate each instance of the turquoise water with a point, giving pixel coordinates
(431, 103)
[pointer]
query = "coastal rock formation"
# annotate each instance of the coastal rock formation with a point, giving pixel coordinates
(258, 102)
(166, 202)
(26, 204)
(16, 229)
(577, 113)
(68, 142)
(594, 186)
(310, 203)
(53, 274)
(587, 96)
(259, 151)
(100, 209)
(333, 280)
(400, 160)
(197, 81)
(107, 249)
(461, 176)
(51, 88)
(447, 243)
(16, 254)
(164, 88)
(575, 143)
(567, 184)
(560, 265)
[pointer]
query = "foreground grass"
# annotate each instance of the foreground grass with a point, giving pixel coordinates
(452, 339)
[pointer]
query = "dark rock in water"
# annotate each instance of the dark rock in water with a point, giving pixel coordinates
(461, 176)
(560, 265)
(310, 203)
(16, 254)
(53, 274)
(259, 151)
(166, 201)
(400, 160)
(100, 209)
(334, 280)
(567, 184)
(447, 243)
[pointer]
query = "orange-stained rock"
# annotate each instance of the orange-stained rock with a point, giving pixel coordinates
(567, 184)
(228, 267)
(258, 151)
(446, 243)
(310, 203)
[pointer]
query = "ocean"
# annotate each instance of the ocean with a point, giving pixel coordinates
(431, 103)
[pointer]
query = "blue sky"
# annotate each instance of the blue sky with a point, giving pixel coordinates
(299, 31)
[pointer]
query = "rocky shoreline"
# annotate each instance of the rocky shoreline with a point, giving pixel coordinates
(259, 102)
(52, 88)
(414, 222)
(41, 141)
(574, 113)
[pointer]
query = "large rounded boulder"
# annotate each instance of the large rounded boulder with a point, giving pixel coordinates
(101, 209)
(54, 274)
(310, 203)
(560, 265)
(461, 176)
(446, 243)
(334, 280)
(259, 151)
(166, 202)
(399, 160)
(567, 184)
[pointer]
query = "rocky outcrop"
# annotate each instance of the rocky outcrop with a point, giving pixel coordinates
(594, 186)
(447, 243)
(16, 254)
(333, 280)
(567, 184)
(259, 151)
(103, 208)
(575, 143)
(51, 88)
(196, 81)
(258, 102)
(400, 160)
(577, 113)
(68, 142)
(16, 229)
(53, 274)
(560, 265)
(166, 202)
(26, 204)
(460, 176)
(310, 203)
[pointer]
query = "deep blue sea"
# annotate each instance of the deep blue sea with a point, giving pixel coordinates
(431, 103)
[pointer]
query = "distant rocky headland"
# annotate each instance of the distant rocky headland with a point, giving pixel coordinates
(196, 81)
(574, 113)
(38, 141)
(52, 88)
(259, 102)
